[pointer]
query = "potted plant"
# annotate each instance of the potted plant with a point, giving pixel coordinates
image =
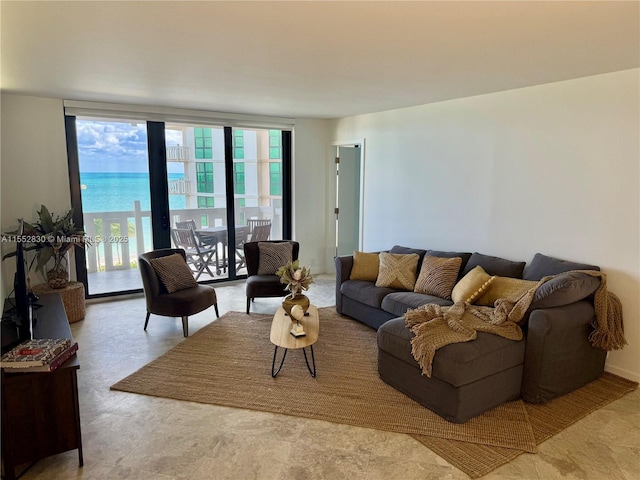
(52, 236)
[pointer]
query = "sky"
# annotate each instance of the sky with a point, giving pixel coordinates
(110, 146)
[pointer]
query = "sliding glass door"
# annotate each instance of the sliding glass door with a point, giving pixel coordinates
(195, 157)
(198, 167)
(145, 185)
(114, 187)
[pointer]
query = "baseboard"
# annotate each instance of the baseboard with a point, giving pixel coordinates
(621, 372)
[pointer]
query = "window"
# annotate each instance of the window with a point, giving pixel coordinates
(203, 143)
(238, 178)
(205, 202)
(275, 151)
(165, 168)
(275, 178)
(204, 177)
(238, 144)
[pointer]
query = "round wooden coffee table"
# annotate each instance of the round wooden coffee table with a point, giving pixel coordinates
(281, 337)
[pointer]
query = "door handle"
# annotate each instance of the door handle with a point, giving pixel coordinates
(165, 222)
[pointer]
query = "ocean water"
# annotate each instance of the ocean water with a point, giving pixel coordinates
(116, 192)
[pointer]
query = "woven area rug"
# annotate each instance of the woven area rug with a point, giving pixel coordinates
(229, 363)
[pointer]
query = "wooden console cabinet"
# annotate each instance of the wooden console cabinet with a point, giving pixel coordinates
(40, 411)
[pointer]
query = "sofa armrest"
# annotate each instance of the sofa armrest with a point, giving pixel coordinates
(558, 356)
(564, 289)
(343, 264)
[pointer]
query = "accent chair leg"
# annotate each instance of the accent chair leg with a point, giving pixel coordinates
(185, 326)
(248, 304)
(215, 305)
(146, 321)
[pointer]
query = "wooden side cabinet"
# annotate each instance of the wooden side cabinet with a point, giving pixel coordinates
(40, 411)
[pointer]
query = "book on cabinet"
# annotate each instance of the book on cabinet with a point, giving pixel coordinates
(38, 355)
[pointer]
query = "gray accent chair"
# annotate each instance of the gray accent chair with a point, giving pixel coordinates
(182, 303)
(263, 285)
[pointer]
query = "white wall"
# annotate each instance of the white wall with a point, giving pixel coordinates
(311, 140)
(34, 164)
(553, 169)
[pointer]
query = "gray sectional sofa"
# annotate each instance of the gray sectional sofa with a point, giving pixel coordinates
(554, 356)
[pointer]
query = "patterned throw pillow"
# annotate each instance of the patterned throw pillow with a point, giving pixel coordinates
(174, 272)
(505, 287)
(365, 266)
(472, 285)
(438, 276)
(397, 270)
(273, 256)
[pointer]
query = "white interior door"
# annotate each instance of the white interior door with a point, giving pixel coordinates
(348, 173)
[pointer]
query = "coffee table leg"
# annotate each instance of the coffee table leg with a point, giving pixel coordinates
(275, 372)
(313, 361)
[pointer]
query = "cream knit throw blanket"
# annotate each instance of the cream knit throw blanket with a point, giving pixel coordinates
(435, 326)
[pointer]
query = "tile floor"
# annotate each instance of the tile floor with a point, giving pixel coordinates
(128, 436)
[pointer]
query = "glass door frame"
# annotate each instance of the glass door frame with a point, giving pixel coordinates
(159, 193)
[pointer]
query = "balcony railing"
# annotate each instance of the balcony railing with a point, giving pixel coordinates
(178, 154)
(179, 187)
(119, 237)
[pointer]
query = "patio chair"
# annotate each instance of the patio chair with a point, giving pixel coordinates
(191, 224)
(242, 236)
(254, 222)
(199, 257)
(187, 224)
(181, 303)
(261, 233)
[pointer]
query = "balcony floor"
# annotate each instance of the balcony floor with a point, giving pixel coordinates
(123, 280)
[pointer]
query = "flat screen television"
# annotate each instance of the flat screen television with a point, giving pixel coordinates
(21, 289)
(17, 318)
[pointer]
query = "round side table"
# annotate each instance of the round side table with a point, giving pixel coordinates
(72, 298)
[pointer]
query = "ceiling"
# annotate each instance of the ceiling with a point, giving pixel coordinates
(307, 59)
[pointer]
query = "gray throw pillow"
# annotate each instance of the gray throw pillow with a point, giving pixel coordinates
(273, 256)
(543, 266)
(500, 267)
(564, 289)
(174, 272)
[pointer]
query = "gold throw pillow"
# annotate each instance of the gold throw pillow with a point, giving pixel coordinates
(365, 266)
(472, 285)
(505, 287)
(397, 270)
(438, 276)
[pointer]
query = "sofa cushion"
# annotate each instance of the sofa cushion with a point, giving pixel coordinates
(542, 265)
(458, 363)
(407, 250)
(438, 276)
(365, 266)
(566, 288)
(495, 265)
(472, 285)
(465, 256)
(397, 270)
(398, 303)
(365, 292)
(505, 287)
